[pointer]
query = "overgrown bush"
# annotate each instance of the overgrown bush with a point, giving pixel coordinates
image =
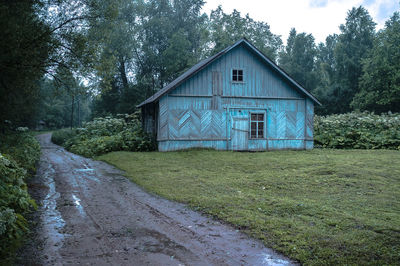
(59, 137)
(358, 131)
(102, 135)
(19, 152)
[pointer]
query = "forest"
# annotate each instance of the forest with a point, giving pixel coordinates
(64, 62)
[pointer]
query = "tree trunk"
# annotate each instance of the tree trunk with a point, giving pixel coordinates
(79, 111)
(122, 72)
(72, 111)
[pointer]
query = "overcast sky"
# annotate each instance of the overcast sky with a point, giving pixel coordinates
(319, 17)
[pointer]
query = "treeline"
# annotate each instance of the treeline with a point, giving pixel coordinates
(109, 56)
(355, 70)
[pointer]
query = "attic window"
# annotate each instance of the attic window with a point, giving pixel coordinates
(257, 126)
(237, 75)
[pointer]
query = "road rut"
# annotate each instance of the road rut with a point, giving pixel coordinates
(91, 214)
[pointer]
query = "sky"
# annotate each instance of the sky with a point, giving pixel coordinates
(319, 17)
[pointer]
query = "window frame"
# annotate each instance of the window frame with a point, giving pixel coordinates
(237, 75)
(257, 122)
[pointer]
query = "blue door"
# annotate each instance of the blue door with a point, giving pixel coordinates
(240, 133)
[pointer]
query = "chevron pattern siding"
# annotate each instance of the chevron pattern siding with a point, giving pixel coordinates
(163, 119)
(271, 125)
(197, 124)
(291, 131)
(309, 120)
(300, 125)
(280, 124)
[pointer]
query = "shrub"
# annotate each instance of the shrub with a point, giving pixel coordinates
(103, 135)
(59, 137)
(358, 130)
(19, 153)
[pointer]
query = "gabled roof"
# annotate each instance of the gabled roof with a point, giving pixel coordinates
(202, 64)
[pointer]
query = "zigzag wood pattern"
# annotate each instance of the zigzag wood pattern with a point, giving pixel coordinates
(197, 124)
(163, 133)
(281, 124)
(309, 121)
(300, 125)
(290, 124)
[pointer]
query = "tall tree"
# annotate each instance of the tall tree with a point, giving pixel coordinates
(380, 82)
(172, 39)
(25, 48)
(354, 43)
(55, 105)
(298, 58)
(112, 39)
(228, 28)
(327, 75)
(142, 46)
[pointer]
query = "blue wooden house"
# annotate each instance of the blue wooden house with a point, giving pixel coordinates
(237, 99)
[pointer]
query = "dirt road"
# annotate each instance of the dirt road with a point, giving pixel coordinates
(91, 214)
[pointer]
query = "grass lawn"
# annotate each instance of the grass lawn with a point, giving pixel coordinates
(318, 207)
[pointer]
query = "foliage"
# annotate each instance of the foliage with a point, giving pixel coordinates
(24, 50)
(56, 102)
(155, 40)
(380, 82)
(22, 147)
(225, 29)
(320, 207)
(60, 136)
(358, 131)
(19, 153)
(354, 44)
(298, 59)
(102, 135)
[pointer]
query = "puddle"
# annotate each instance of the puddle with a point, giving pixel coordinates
(53, 223)
(84, 170)
(77, 202)
(88, 173)
(268, 259)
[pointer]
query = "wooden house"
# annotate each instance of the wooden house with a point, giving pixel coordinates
(237, 99)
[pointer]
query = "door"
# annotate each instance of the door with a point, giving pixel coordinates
(240, 133)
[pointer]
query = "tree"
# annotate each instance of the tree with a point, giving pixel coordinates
(25, 48)
(172, 39)
(354, 44)
(327, 75)
(55, 106)
(143, 46)
(228, 28)
(380, 81)
(298, 59)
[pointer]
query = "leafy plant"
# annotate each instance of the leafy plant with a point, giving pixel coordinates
(358, 130)
(106, 134)
(19, 153)
(59, 137)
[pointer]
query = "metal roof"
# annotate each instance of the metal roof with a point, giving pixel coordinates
(202, 64)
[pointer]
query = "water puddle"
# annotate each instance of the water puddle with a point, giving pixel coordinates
(88, 173)
(84, 170)
(77, 202)
(268, 259)
(53, 223)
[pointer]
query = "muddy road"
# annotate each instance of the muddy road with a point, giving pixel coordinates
(90, 214)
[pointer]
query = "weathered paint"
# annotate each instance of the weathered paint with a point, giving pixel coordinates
(177, 145)
(209, 110)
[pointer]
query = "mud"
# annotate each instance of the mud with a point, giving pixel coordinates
(91, 214)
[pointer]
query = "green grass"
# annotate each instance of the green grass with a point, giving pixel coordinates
(318, 207)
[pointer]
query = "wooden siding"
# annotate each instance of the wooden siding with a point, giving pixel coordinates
(205, 110)
(259, 79)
